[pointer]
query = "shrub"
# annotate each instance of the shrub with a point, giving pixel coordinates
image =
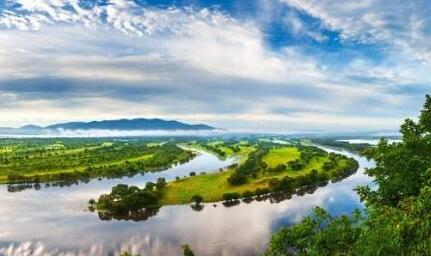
(247, 194)
(197, 199)
(230, 196)
(237, 179)
(187, 250)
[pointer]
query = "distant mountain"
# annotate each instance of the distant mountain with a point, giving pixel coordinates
(31, 127)
(125, 124)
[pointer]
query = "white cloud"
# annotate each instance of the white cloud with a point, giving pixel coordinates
(194, 65)
(402, 25)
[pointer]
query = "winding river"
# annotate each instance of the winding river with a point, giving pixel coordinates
(55, 220)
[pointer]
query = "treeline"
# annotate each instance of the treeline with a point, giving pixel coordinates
(397, 217)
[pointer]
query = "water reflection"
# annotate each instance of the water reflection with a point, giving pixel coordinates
(55, 221)
(138, 215)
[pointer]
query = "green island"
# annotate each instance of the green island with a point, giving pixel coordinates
(263, 168)
(70, 160)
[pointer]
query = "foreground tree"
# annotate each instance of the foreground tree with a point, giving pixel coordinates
(197, 199)
(398, 212)
(187, 250)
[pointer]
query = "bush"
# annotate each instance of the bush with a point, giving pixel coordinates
(295, 165)
(197, 199)
(247, 194)
(230, 196)
(187, 250)
(237, 179)
(262, 191)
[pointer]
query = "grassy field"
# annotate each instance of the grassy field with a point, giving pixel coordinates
(212, 186)
(4, 178)
(281, 155)
(48, 159)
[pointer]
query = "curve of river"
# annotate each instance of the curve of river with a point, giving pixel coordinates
(54, 220)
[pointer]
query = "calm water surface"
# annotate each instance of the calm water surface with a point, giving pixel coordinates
(54, 221)
(369, 141)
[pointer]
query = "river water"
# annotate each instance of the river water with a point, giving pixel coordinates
(55, 220)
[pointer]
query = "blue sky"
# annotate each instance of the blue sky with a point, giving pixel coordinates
(246, 65)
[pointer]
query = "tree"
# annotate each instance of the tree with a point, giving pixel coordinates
(230, 196)
(400, 168)
(197, 199)
(237, 179)
(187, 250)
(161, 183)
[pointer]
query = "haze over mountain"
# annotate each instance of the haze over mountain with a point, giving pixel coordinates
(121, 124)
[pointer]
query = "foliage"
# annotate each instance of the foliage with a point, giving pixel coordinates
(250, 168)
(237, 179)
(398, 212)
(295, 164)
(230, 196)
(197, 199)
(319, 234)
(187, 250)
(127, 200)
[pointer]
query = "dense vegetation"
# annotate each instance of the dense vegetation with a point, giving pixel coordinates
(250, 168)
(397, 215)
(35, 160)
(124, 202)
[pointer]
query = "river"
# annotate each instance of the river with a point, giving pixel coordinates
(55, 220)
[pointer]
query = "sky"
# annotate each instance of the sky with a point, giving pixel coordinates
(245, 65)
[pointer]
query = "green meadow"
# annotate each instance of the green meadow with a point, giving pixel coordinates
(212, 186)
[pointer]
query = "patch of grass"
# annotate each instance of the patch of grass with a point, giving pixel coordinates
(215, 143)
(281, 155)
